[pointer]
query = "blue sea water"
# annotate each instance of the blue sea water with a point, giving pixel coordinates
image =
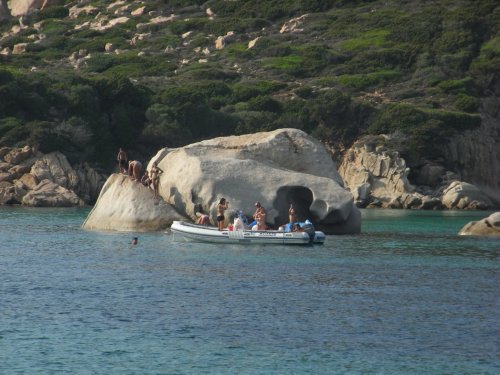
(407, 296)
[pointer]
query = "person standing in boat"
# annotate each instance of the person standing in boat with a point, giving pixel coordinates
(221, 208)
(291, 214)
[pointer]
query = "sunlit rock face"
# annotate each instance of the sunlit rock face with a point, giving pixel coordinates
(276, 168)
(126, 205)
(489, 226)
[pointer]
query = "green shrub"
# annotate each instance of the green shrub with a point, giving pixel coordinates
(52, 12)
(419, 28)
(273, 50)
(409, 119)
(7, 124)
(304, 92)
(363, 81)
(369, 39)
(394, 117)
(199, 71)
(99, 63)
(240, 25)
(456, 85)
(483, 72)
(451, 41)
(244, 91)
(491, 49)
(238, 51)
(466, 103)
(253, 121)
(264, 103)
(54, 27)
(292, 64)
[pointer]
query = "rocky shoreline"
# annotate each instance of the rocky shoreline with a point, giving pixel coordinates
(377, 176)
(372, 170)
(34, 179)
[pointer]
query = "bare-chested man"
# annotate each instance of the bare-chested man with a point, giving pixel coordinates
(122, 161)
(135, 170)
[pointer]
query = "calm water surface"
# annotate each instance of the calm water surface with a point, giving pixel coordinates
(408, 296)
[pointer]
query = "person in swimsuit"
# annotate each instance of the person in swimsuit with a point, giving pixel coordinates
(134, 170)
(260, 216)
(155, 178)
(221, 207)
(291, 214)
(145, 180)
(122, 161)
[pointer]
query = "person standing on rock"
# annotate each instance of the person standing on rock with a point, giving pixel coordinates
(135, 170)
(154, 175)
(221, 207)
(122, 161)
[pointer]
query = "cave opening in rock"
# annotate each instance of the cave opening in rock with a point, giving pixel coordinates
(299, 196)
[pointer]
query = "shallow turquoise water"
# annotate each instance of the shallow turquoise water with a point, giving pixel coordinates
(408, 296)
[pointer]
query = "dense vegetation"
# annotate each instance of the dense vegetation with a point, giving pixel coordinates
(354, 67)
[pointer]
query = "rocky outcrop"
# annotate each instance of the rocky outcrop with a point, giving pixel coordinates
(75, 11)
(378, 176)
(24, 7)
(489, 226)
(126, 205)
(463, 195)
(31, 178)
(276, 168)
(223, 40)
(292, 26)
(50, 194)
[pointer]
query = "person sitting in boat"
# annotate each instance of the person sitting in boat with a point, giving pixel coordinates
(297, 228)
(221, 207)
(259, 210)
(259, 216)
(203, 218)
(260, 221)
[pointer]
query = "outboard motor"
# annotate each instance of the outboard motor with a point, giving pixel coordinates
(309, 229)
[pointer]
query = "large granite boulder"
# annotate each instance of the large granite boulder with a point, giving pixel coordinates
(24, 7)
(463, 195)
(24, 168)
(55, 167)
(276, 168)
(374, 172)
(50, 194)
(126, 205)
(489, 226)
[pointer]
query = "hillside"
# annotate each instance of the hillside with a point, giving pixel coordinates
(85, 77)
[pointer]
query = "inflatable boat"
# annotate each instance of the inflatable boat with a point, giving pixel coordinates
(202, 233)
